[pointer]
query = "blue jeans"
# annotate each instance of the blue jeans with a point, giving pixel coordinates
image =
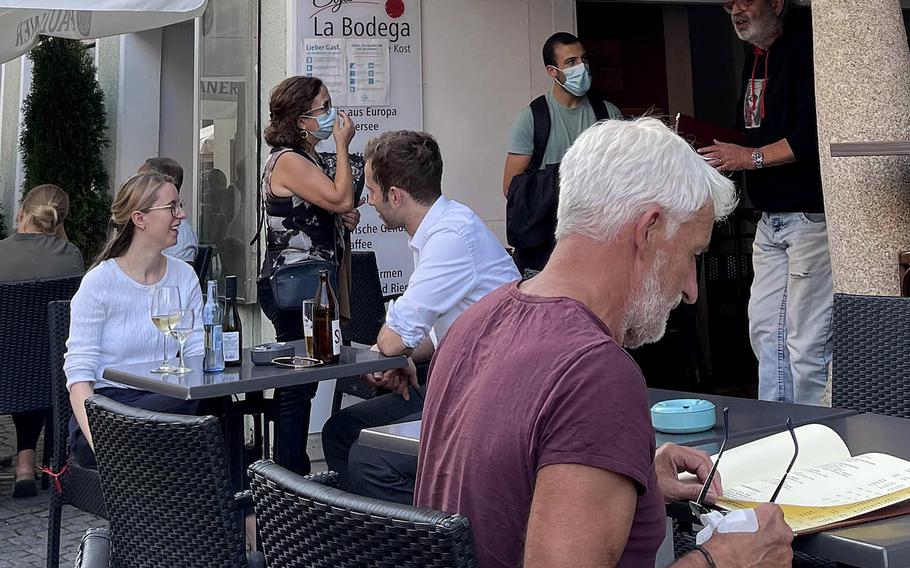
(790, 308)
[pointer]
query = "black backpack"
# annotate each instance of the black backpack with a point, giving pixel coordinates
(534, 194)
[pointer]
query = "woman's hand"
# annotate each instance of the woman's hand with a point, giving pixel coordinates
(344, 130)
(352, 218)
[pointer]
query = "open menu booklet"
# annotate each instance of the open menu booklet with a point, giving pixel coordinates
(826, 488)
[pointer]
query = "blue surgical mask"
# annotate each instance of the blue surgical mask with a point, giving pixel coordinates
(326, 124)
(578, 79)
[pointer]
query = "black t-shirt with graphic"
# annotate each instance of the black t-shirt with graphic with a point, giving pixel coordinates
(778, 101)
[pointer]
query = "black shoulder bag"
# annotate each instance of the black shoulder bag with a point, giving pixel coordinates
(533, 195)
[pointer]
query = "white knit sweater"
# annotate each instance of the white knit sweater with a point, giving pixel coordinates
(110, 322)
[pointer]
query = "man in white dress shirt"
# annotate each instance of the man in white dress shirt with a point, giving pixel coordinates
(457, 261)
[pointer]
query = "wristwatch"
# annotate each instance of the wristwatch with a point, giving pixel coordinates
(758, 159)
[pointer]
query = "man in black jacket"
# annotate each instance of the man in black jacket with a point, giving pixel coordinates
(792, 294)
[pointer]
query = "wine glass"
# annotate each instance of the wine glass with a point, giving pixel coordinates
(181, 326)
(163, 300)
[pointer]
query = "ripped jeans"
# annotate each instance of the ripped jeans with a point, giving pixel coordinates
(790, 307)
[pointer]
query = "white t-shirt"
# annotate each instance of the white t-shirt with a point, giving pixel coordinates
(111, 324)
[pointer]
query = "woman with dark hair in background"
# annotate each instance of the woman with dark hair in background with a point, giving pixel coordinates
(38, 249)
(308, 205)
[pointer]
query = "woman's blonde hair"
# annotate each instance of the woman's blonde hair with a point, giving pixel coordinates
(45, 207)
(136, 194)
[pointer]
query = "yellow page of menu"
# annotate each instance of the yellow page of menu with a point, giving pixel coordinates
(805, 519)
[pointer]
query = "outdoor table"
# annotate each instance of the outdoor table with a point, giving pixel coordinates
(747, 416)
(250, 380)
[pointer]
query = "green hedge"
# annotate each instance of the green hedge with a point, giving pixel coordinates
(63, 134)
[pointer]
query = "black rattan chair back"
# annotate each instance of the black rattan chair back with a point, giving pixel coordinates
(367, 303)
(166, 487)
(307, 521)
(872, 354)
(367, 317)
(74, 485)
(203, 262)
(24, 369)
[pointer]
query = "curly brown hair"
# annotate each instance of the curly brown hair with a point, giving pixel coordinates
(290, 99)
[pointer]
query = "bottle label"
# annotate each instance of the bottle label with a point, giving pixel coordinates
(231, 345)
(336, 337)
(307, 327)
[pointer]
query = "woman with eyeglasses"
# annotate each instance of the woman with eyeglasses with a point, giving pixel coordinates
(110, 322)
(308, 207)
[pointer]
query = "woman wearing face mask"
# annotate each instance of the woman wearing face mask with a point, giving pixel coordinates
(309, 202)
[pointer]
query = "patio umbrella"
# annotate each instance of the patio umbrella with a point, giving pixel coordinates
(22, 22)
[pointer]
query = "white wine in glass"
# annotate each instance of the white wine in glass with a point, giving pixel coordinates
(181, 326)
(163, 300)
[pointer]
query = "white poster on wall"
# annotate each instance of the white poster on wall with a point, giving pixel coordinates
(368, 54)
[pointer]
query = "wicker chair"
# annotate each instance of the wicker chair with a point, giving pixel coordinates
(367, 317)
(167, 488)
(309, 522)
(872, 354)
(24, 366)
(74, 485)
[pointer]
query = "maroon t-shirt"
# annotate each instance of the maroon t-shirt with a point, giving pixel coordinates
(520, 382)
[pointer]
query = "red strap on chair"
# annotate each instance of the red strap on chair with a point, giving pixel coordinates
(56, 476)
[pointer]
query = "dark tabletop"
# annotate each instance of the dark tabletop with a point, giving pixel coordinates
(747, 416)
(248, 377)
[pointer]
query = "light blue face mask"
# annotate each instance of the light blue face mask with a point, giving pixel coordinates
(326, 124)
(578, 79)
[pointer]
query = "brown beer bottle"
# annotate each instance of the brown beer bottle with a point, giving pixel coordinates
(326, 325)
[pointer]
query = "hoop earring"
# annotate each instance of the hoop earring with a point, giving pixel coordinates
(304, 134)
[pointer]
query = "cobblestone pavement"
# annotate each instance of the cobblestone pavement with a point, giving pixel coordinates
(23, 522)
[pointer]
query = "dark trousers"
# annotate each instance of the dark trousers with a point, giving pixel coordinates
(343, 429)
(383, 474)
(293, 418)
(82, 452)
(28, 428)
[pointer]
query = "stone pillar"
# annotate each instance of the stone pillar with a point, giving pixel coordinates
(862, 89)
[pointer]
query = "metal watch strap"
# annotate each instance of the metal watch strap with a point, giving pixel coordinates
(758, 158)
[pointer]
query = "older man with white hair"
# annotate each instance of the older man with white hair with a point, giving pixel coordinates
(536, 422)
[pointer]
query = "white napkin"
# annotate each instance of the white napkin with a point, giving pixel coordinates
(739, 521)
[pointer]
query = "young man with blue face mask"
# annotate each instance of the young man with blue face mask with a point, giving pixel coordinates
(531, 224)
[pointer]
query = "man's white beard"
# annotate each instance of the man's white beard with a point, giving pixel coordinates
(646, 319)
(761, 31)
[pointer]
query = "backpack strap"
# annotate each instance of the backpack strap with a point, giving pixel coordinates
(540, 113)
(606, 110)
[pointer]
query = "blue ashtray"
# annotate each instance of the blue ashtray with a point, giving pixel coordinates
(683, 416)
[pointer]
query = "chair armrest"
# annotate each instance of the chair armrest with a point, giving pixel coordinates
(95, 549)
(243, 500)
